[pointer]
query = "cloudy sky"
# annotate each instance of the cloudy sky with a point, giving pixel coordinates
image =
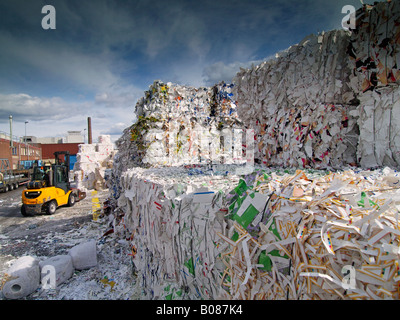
(104, 54)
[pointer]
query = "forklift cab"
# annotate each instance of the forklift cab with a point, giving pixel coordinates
(61, 167)
(61, 179)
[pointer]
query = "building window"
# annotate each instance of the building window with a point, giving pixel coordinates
(14, 151)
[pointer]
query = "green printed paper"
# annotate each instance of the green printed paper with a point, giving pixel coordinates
(169, 297)
(266, 261)
(189, 264)
(242, 187)
(237, 203)
(235, 236)
(273, 228)
(247, 217)
(361, 203)
(263, 258)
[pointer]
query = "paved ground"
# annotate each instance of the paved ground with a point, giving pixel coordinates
(25, 232)
(44, 236)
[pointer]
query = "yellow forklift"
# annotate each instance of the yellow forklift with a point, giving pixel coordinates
(50, 188)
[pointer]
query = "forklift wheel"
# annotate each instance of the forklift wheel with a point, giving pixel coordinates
(24, 213)
(71, 200)
(51, 207)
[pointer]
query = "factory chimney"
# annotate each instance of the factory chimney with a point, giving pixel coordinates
(11, 136)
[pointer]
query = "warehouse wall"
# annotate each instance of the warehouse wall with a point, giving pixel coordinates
(49, 149)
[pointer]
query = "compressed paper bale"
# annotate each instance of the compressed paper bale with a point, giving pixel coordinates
(84, 255)
(166, 134)
(104, 150)
(275, 85)
(104, 140)
(159, 204)
(281, 94)
(63, 267)
(92, 160)
(378, 126)
(87, 148)
(313, 223)
(22, 278)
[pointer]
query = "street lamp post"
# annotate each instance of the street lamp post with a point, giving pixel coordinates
(27, 152)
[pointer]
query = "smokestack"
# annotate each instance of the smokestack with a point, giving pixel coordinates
(89, 122)
(11, 137)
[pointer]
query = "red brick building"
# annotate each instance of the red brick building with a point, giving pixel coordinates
(38, 148)
(49, 149)
(18, 152)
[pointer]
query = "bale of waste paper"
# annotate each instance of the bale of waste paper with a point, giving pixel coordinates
(22, 278)
(313, 236)
(84, 255)
(63, 268)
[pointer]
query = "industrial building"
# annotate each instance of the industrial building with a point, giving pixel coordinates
(20, 152)
(16, 151)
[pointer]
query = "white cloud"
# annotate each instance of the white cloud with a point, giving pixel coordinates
(220, 71)
(111, 113)
(47, 116)
(119, 97)
(116, 129)
(25, 106)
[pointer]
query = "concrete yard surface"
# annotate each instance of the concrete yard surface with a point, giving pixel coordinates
(46, 236)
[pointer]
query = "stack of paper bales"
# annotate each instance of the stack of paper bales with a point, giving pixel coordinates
(322, 103)
(173, 218)
(92, 161)
(169, 176)
(299, 104)
(179, 125)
